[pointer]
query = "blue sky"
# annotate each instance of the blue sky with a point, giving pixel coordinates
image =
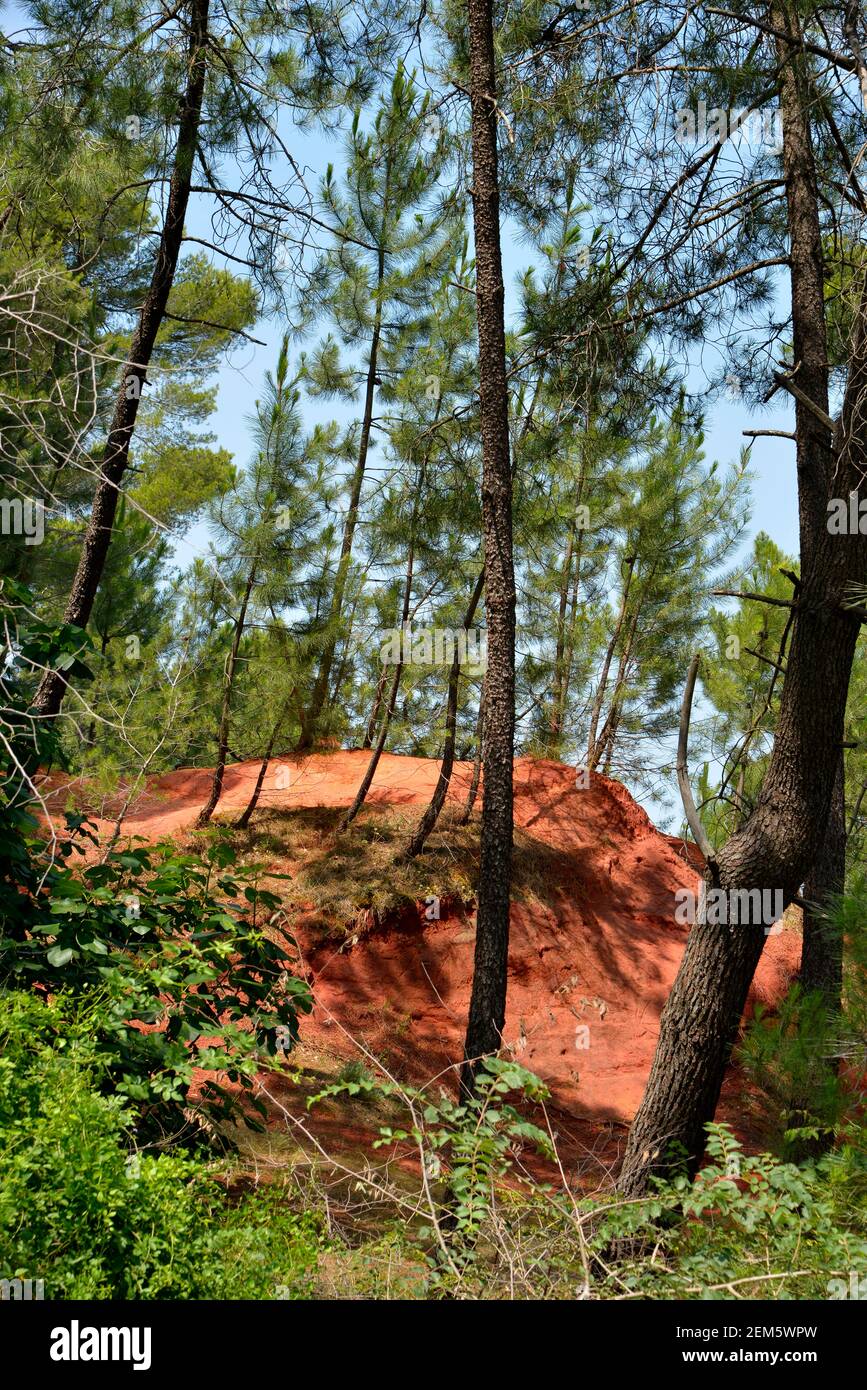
(774, 500)
(774, 506)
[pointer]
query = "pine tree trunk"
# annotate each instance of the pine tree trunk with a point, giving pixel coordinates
(776, 847)
(374, 713)
(807, 264)
(598, 699)
(569, 654)
(115, 460)
(369, 775)
(558, 684)
(822, 949)
(562, 669)
(488, 999)
(431, 813)
(464, 817)
(244, 819)
(225, 712)
(604, 750)
(320, 687)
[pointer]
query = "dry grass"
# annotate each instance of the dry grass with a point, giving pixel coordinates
(360, 873)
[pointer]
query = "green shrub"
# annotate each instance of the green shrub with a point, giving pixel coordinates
(749, 1226)
(175, 941)
(92, 1218)
(810, 1060)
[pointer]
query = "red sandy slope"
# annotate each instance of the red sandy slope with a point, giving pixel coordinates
(589, 972)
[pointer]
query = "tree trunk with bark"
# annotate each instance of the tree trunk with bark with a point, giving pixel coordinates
(562, 662)
(369, 775)
(370, 731)
(822, 949)
(464, 817)
(778, 844)
(593, 749)
(488, 1000)
(244, 819)
(115, 460)
(323, 675)
(431, 813)
(226, 708)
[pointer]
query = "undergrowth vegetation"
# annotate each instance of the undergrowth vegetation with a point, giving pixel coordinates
(347, 876)
(147, 1001)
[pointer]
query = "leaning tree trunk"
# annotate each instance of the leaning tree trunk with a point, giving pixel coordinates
(488, 999)
(604, 744)
(560, 679)
(323, 675)
(599, 697)
(375, 756)
(244, 819)
(115, 460)
(463, 818)
(776, 847)
(431, 813)
(370, 731)
(209, 807)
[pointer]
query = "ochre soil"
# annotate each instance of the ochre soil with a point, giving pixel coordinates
(592, 957)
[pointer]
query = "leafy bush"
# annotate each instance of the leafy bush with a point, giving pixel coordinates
(748, 1225)
(91, 1217)
(175, 941)
(467, 1146)
(812, 1061)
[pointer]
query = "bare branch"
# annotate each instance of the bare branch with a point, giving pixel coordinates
(692, 816)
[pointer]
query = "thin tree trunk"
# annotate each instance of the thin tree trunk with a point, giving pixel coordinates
(569, 656)
(225, 712)
(776, 846)
(560, 684)
(331, 697)
(367, 779)
(97, 538)
(463, 818)
(592, 755)
(431, 813)
(372, 765)
(377, 701)
(605, 742)
(487, 1012)
(244, 819)
(320, 687)
(807, 266)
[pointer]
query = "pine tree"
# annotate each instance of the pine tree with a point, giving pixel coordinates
(265, 518)
(374, 286)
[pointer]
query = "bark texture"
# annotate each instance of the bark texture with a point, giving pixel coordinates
(488, 1000)
(778, 845)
